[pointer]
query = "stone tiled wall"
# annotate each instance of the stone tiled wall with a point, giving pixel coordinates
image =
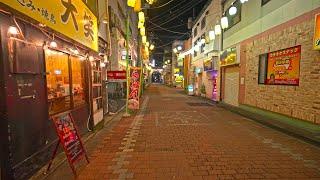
(303, 101)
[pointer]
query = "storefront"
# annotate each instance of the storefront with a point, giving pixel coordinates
(229, 62)
(46, 69)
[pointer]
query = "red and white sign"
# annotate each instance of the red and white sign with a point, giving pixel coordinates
(116, 76)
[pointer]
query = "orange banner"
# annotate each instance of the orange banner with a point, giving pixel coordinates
(316, 43)
(284, 66)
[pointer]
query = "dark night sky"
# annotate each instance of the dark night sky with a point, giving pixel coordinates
(174, 17)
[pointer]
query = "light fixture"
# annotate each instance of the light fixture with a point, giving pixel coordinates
(217, 29)
(151, 47)
(105, 20)
(141, 17)
(142, 31)
(179, 48)
(175, 50)
(144, 39)
(197, 48)
(232, 10)
(53, 44)
(243, 1)
(76, 51)
(140, 25)
(224, 22)
(13, 30)
(212, 35)
(203, 41)
(91, 58)
(102, 65)
(131, 3)
(147, 44)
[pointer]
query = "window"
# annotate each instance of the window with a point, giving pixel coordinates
(96, 86)
(263, 2)
(203, 22)
(78, 81)
(195, 33)
(58, 81)
(235, 19)
(195, 52)
(262, 74)
(203, 36)
(65, 81)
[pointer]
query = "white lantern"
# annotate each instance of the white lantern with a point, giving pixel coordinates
(141, 17)
(212, 35)
(179, 48)
(243, 1)
(175, 50)
(224, 22)
(197, 48)
(232, 10)
(203, 41)
(217, 29)
(144, 39)
(53, 44)
(13, 30)
(151, 47)
(147, 44)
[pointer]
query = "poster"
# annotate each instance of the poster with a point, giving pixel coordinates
(229, 57)
(316, 43)
(284, 67)
(134, 88)
(71, 18)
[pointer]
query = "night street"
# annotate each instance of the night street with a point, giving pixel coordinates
(175, 136)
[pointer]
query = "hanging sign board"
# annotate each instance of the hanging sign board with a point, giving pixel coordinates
(69, 139)
(283, 67)
(71, 18)
(134, 88)
(316, 42)
(116, 76)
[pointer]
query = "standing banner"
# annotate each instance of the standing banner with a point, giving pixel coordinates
(316, 43)
(284, 66)
(69, 139)
(134, 88)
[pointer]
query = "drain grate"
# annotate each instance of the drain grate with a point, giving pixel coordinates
(198, 104)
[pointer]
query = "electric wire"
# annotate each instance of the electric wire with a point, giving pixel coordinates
(176, 32)
(167, 11)
(161, 5)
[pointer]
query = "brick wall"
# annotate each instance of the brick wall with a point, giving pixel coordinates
(303, 101)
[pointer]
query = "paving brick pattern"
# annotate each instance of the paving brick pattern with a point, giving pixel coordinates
(169, 139)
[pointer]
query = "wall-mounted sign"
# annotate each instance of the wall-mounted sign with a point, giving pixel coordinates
(116, 76)
(207, 65)
(316, 43)
(284, 66)
(134, 88)
(69, 17)
(229, 57)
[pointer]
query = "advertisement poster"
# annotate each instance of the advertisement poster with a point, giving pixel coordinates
(316, 45)
(134, 88)
(284, 66)
(229, 57)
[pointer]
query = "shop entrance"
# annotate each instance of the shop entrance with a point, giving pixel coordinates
(231, 86)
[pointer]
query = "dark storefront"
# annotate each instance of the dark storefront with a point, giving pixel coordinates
(36, 82)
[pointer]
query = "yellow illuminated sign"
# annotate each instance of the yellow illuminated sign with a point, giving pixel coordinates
(316, 42)
(69, 17)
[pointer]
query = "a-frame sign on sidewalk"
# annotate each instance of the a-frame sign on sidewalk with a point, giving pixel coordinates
(69, 139)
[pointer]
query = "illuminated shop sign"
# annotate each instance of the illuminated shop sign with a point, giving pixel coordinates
(69, 17)
(229, 57)
(316, 42)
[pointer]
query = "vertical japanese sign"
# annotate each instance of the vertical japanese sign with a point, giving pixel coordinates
(69, 17)
(316, 43)
(134, 88)
(284, 66)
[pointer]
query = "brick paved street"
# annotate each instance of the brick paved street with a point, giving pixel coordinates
(175, 136)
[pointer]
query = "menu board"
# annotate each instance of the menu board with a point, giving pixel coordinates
(68, 136)
(134, 88)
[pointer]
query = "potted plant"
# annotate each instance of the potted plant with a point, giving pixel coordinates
(203, 90)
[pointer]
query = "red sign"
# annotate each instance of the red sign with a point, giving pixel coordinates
(133, 99)
(116, 75)
(284, 66)
(69, 139)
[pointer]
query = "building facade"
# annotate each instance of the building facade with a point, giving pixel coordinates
(205, 59)
(275, 67)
